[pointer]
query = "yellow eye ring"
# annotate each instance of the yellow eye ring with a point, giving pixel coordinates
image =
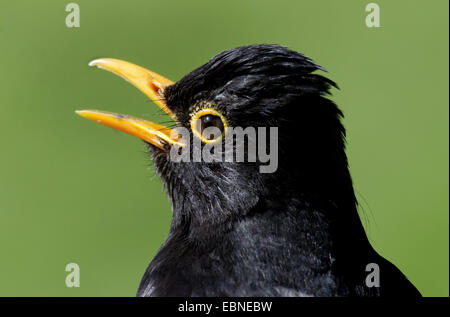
(203, 113)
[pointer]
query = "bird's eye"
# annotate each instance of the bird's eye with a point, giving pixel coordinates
(208, 125)
(209, 121)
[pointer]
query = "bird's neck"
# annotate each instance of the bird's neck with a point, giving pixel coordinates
(314, 197)
(313, 227)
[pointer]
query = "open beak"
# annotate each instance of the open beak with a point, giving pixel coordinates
(149, 83)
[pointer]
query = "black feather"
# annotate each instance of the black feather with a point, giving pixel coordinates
(238, 232)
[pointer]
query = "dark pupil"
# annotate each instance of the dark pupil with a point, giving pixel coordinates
(208, 121)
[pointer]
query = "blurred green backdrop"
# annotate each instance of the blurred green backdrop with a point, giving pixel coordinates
(73, 191)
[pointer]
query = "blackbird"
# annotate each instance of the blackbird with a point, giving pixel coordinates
(238, 231)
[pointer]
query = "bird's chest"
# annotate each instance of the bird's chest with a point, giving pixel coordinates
(267, 265)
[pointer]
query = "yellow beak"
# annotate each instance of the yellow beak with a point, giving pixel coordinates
(151, 84)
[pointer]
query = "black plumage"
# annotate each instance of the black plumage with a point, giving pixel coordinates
(238, 232)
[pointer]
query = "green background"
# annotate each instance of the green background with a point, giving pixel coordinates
(74, 191)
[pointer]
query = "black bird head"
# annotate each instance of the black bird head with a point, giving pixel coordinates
(249, 86)
(236, 230)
